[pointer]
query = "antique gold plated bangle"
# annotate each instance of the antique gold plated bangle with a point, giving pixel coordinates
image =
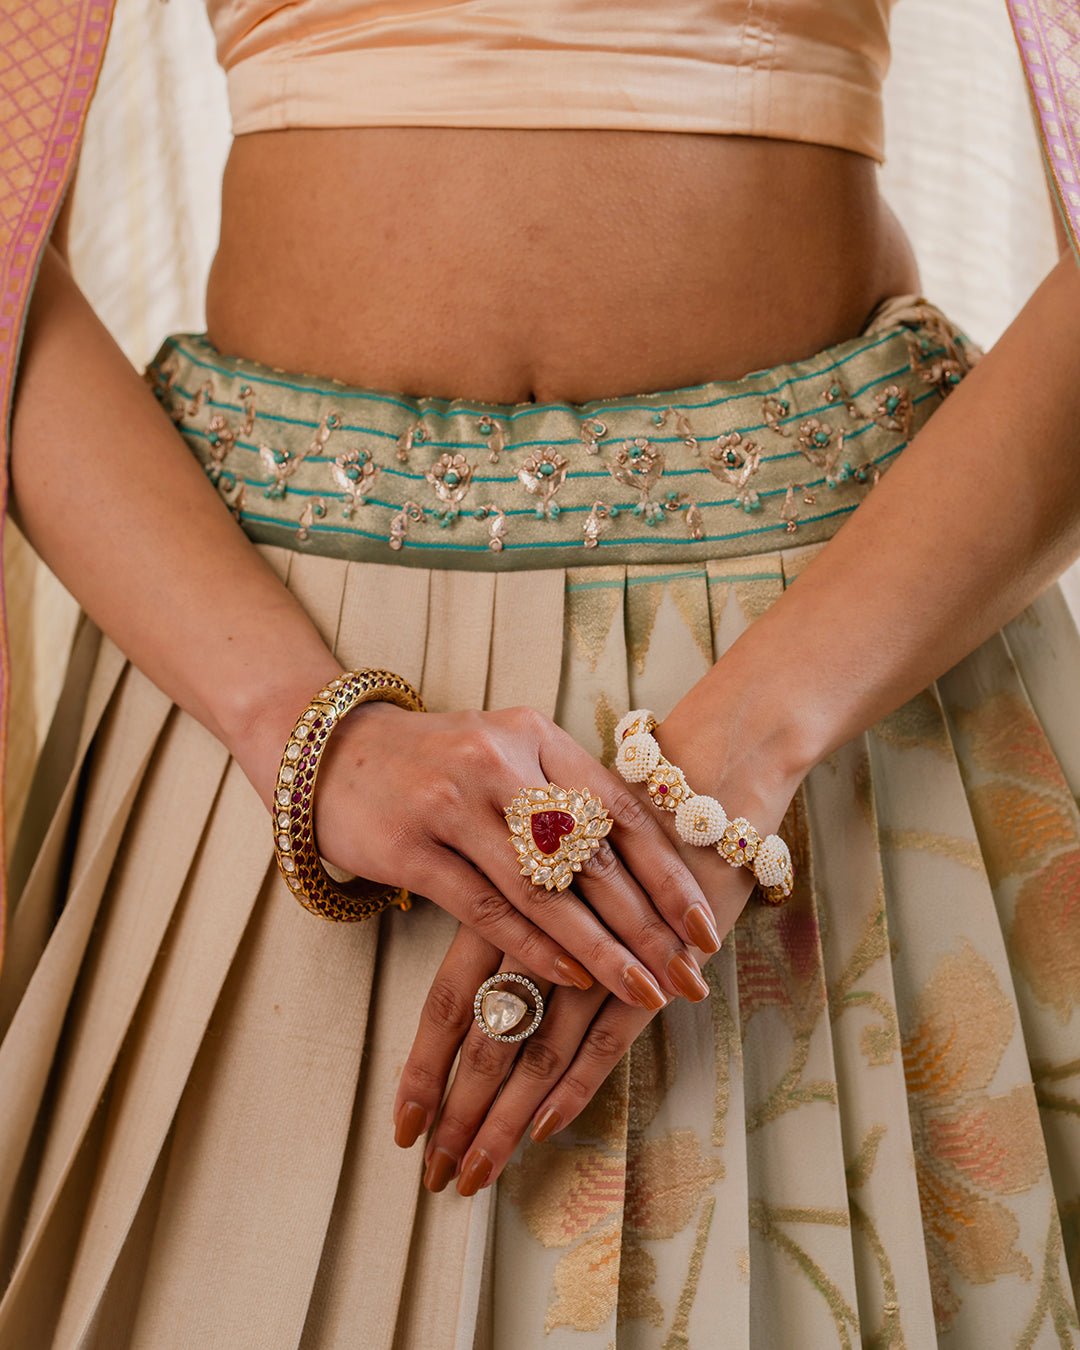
(294, 796)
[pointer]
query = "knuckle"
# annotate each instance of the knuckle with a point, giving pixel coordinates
(505, 1129)
(532, 948)
(484, 751)
(446, 1007)
(603, 1047)
(489, 910)
(483, 1057)
(422, 1084)
(628, 810)
(527, 722)
(579, 1089)
(455, 1126)
(538, 1060)
(603, 865)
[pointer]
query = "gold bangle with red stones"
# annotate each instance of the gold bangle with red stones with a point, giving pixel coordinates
(294, 797)
(700, 819)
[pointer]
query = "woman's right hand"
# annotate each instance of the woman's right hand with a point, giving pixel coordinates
(418, 801)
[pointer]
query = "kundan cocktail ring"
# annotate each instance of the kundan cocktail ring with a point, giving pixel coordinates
(505, 1015)
(553, 830)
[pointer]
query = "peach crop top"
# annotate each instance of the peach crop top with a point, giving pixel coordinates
(804, 70)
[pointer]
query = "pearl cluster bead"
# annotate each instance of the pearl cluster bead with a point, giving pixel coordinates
(700, 819)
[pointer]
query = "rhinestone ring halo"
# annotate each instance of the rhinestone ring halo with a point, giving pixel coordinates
(504, 1015)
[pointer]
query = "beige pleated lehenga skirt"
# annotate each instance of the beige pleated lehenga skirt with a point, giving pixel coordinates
(869, 1135)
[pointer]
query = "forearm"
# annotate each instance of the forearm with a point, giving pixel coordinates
(978, 515)
(107, 493)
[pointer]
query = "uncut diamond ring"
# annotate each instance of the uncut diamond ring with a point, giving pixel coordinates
(504, 1014)
(553, 830)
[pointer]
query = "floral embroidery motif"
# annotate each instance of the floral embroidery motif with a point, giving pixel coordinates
(313, 511)
(451, 477)
(773, 412)
(399, 526)
(221, 437)
(600, 511)
(893, 410)
(543, 474)
(735, 464)
(1026, 821)
(816, 443)
(789, 512)
(836, 392)
(204, 394)
(494, 434)
(682, 427)
(415, 434)
(282, 464)
(354, 473)
(496, 518)
(592, 429)
(969, 1146)
(943, 374)
(751, 469)
(639, 465)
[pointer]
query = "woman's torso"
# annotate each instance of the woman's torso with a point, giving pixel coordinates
(509, 265)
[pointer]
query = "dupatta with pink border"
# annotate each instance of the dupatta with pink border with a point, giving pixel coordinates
(50, 58)
(1048, 35)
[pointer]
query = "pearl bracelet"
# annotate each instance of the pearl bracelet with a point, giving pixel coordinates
(699, 819)
(294, 798)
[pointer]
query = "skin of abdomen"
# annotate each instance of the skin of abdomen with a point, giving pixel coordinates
(514, 265)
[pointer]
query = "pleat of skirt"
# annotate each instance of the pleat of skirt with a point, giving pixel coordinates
(868, 1135)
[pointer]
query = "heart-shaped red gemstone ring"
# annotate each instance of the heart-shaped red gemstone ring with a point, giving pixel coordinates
(553, 830)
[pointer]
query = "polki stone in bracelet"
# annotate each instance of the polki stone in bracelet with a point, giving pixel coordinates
(294, 796)
(700, 819)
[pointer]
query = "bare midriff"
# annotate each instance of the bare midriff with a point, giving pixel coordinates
(509, 266)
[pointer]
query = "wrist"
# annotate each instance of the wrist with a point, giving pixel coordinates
(742, 734)
(259, 712)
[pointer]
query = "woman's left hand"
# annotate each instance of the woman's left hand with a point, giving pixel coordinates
(500, 1089)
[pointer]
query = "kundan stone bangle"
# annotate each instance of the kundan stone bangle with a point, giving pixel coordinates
(294, 797)
(699, 819)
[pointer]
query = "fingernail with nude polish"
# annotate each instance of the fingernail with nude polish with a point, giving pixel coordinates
(440, 1169)
(569, 969)
(643, 988)
(686, 978)
(473, 1175)
(409, 1124)
(702, 930)
(546, 1125)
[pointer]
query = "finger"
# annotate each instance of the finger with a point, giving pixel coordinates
(488, 1133)
(455, 885)
(639, 840)
(481, 1069)
(616, 897)
(496, 900)
(445, 1018)
(549, 1089)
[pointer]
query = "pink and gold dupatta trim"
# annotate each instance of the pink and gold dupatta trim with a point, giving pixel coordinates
(50, 56)
(1048, 35)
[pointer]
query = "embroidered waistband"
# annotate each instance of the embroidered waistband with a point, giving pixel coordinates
(722, 468)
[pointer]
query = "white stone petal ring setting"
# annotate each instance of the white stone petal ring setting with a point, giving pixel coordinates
(553, 830)
(505, 1015)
